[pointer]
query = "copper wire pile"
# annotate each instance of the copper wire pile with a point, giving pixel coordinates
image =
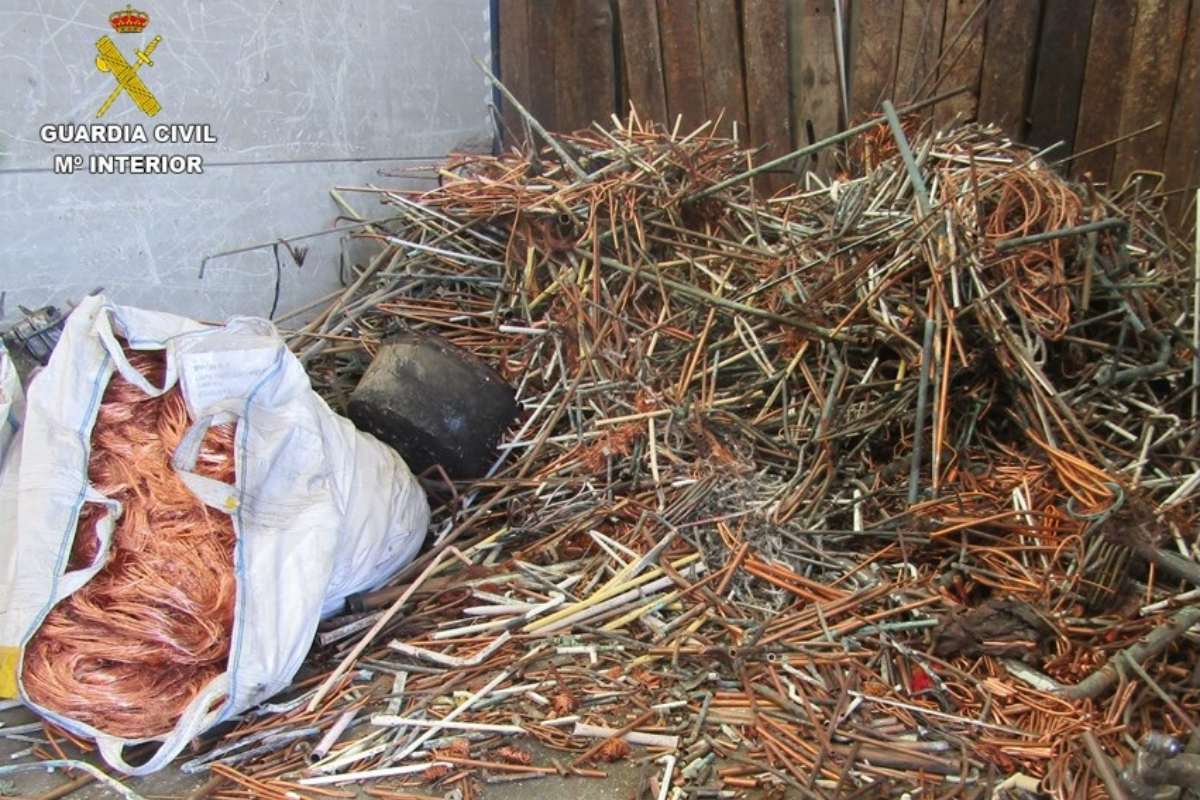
(821, 495)
(128, 651)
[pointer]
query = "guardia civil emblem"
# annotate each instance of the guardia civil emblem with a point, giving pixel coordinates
(125, 71)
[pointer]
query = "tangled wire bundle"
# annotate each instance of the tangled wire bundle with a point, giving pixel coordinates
(128, 651)
(1022, 203)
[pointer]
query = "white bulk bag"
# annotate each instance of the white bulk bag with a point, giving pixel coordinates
(12, 411)
(320, 510)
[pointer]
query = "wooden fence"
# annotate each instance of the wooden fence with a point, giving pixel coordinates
(789, 72)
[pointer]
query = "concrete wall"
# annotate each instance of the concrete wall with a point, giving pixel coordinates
(302, 96)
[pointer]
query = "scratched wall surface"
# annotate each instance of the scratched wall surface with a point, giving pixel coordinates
(302, 96)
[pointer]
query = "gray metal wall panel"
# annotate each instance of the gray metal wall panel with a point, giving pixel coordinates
(302, 96)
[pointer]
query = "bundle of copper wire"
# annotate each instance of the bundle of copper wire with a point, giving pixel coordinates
(128, 651)
(1022, 203)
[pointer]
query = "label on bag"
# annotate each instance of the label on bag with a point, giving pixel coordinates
(210, 377)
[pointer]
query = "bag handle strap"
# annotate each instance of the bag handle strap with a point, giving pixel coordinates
(196, 718)
(71, 582)
(213, 493)
(108, 338)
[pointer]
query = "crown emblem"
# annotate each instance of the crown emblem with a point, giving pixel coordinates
(129, 20)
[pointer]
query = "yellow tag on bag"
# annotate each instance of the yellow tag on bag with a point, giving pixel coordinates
(9, 656)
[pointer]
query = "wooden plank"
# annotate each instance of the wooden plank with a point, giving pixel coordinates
(594, 36)
(541, 62)
(1008, 58)
(1150, 89)
(641, 52)
(1058, 85)
(1109, 40)
(721, 53)
(1181, 163)
(963, 60)
(874, 45)
(920, 44)
(513, 25)
(764, 26)
(816, 92)
(568, 67)
(679, 27)
(584, 72)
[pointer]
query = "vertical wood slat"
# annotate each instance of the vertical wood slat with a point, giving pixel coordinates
(541, 60)
(920, 43)
(764, 23)
(963, 60)
(1109, 40)
(679, 27)
(1181, 163)
(641, 51)
(874, 43)
(595, 26)
(1008, 59)
(513, 23)
(567, 96)
(815, 88)
(1153, 65)
(550, 56)
(1062, 59)
(585, 75)
(721, 55)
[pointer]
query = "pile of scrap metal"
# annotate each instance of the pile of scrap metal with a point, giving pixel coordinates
(877, 486)
(886, 482)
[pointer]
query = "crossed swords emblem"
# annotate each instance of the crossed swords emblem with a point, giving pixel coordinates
(109, 59)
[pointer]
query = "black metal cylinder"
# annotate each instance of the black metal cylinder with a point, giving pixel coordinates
(435, 404)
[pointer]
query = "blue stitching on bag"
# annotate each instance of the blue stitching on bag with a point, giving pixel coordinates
(240, 549)
(15, 424)
(69, 534)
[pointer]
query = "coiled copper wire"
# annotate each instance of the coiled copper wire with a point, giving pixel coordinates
(1021, 203)
(128, 651)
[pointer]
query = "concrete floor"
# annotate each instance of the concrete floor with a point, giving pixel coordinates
(622, 782)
